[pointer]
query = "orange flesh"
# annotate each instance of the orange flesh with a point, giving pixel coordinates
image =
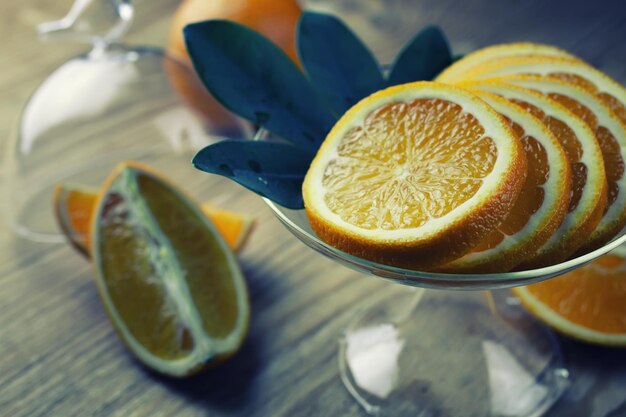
(575, 79)
(79, 207)
(231, 226)
(195, 250)
(571, 145)
(592, 296)
(614, 104)
(613, 161)
(611, 153)
(151, 315)
(532, 194)
(408, 163)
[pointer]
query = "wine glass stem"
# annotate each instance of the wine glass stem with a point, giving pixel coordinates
(434, 352)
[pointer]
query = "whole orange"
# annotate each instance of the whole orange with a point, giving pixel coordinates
(275, 19)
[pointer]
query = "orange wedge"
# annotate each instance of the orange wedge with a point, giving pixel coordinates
(612, 93)
(74, 205)
(233, 226)
(414, 176)
(459, 70)
(586, 304)
(541, 206)
(610, 132)
(589, 187)
(168, 281)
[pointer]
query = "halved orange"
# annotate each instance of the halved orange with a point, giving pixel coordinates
(541, 206)
(612, 93)
(414, 176)
(610, 132)
(168, 281)
(586, 304)
(589, 187)
(459, 70)
(73, 206)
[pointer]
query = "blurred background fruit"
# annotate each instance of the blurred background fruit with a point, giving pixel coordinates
(276, 19)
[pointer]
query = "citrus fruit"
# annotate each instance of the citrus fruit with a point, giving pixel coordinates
(457, 71)
(612, 93)
(589, 190)
(586, 304)
(541, 206)
(414, 176)
(276, 19)
(74, 205)
(234, 227)
(610, 132)
(168, 281)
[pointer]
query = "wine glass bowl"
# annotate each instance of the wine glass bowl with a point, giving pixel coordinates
(113, 103)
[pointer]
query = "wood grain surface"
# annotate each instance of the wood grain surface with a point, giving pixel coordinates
(60, 357)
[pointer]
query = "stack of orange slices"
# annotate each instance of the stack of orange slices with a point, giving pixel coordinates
(512, 159)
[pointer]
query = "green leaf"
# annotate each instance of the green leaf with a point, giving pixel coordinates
(423, 58)
(339, 65)
(253, 78)
(270, 169)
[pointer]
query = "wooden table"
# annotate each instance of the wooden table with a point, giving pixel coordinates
(60, 357)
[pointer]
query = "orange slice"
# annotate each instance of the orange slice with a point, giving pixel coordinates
(458, 71)
(612, 93)
(610, 132)
(168, 281)
(541, 206)
(586, 304)
(74, 205)
(414, 176)
(588, 197)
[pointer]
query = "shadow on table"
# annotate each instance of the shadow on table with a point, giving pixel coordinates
(230, 386)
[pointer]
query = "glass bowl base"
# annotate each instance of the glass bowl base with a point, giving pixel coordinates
(443, 353)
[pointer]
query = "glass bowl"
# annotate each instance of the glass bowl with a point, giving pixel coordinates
(113, 103)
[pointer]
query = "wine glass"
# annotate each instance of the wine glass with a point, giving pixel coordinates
(115, 102)
(447, 353)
